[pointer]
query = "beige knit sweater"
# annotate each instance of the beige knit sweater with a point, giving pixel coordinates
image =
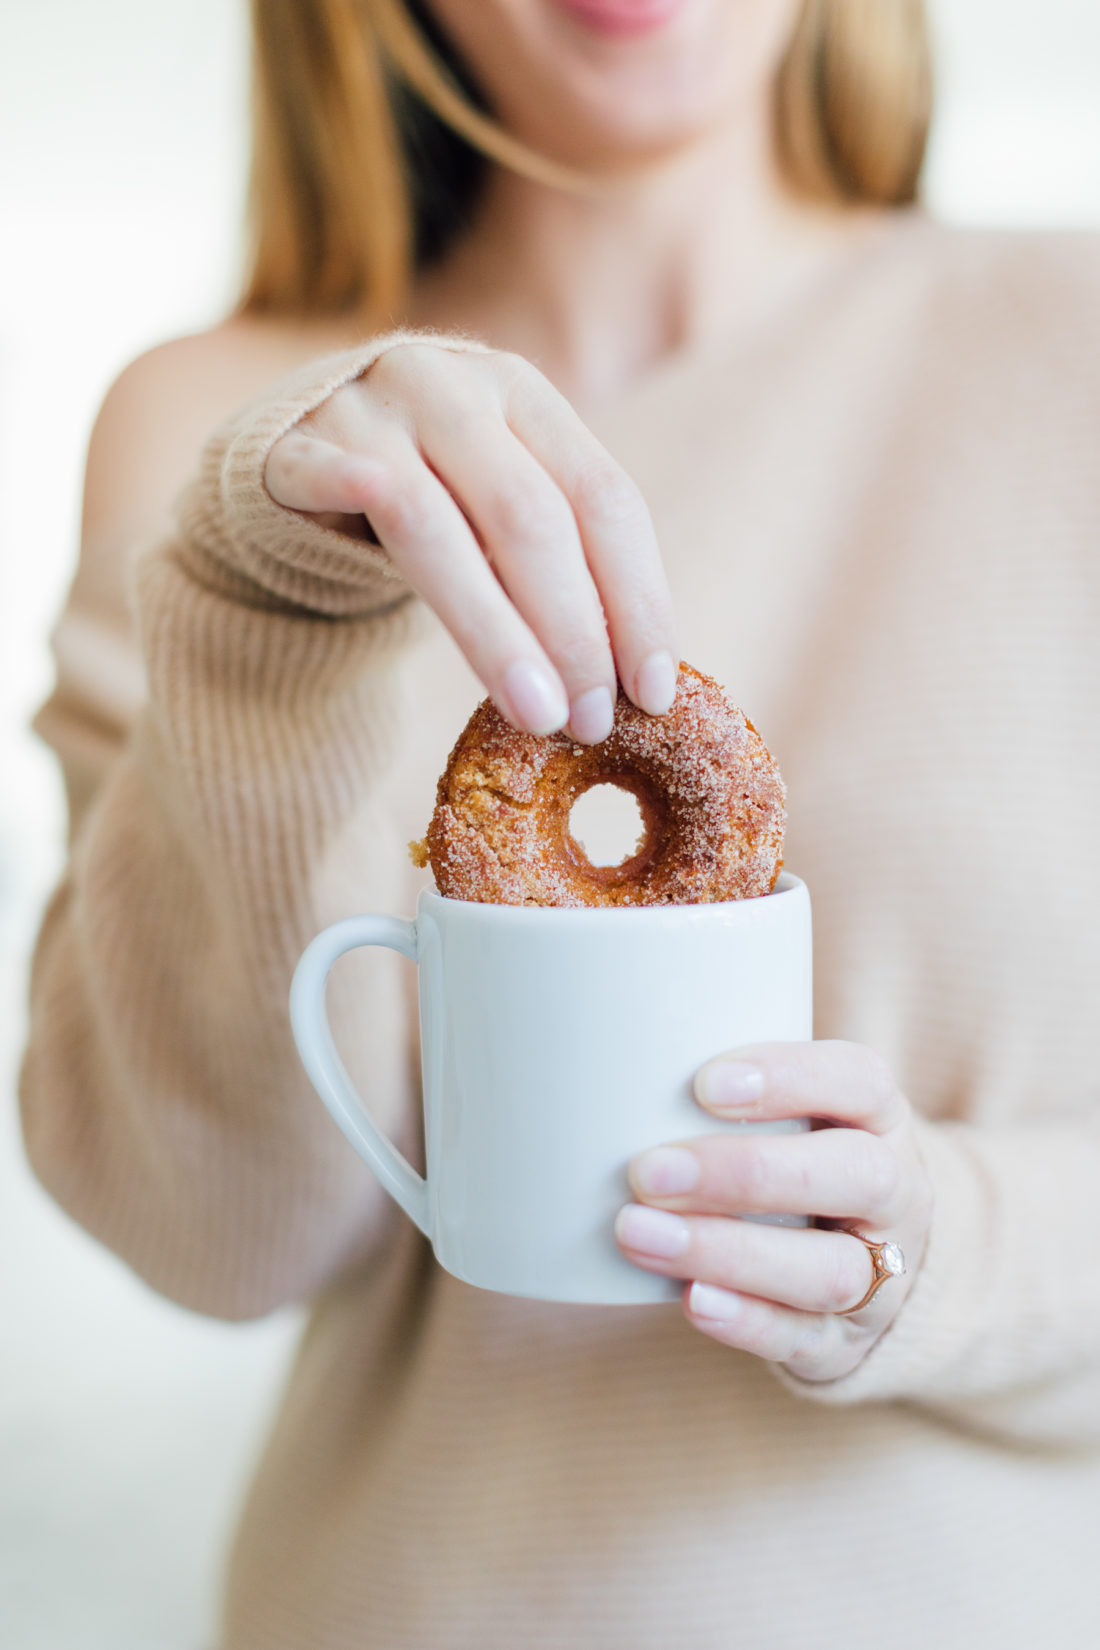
(882, 524)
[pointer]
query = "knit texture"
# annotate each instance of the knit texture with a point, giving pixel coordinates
(881, 523)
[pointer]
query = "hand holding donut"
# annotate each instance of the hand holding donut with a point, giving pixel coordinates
(509, 519)
(787, 1294)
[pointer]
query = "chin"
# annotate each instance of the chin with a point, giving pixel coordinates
(610, 83)
(599, 139)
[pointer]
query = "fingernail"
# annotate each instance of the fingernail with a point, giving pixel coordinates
(665, 1171)
(533, 698)
(655, 684)
(729, 1085)
(652, 1232)
(591, 716)
(717, 1305)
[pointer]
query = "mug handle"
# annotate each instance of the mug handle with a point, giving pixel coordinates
(313, 1035)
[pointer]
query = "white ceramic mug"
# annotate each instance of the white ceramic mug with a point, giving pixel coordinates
(556, 1044)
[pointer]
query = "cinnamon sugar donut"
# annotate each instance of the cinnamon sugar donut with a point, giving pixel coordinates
(711, 799)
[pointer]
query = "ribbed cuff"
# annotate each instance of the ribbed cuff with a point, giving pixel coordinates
(228, 516)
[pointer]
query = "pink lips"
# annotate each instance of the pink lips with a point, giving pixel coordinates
(622, 18)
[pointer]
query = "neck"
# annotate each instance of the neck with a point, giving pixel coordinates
(595, 287)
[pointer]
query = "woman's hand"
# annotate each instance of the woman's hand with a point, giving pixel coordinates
(773, 1290)
(506, 515)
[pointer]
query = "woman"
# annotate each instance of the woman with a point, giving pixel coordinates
(663, 302)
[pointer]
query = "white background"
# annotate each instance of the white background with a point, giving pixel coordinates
(125, 1423)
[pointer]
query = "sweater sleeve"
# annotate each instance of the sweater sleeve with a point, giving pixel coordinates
(164, 1104)
(1001, 1330)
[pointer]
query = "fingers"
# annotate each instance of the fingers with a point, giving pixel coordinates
(841, 1174)
(618, 536)
(419, 524)
(424, 532)
(816, 1347)
(304, 472)
(510, 520)
(808, 1270)
(530, 534)
(840, 1082)
(781, 1293)
(775, 1333)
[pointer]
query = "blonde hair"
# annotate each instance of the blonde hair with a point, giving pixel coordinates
(853, 100)
(370, 142)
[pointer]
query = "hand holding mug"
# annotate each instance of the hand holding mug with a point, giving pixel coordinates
(782, 1293)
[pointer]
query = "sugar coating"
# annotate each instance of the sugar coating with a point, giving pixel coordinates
(711, 798)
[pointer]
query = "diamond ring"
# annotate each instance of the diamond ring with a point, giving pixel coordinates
(887, 1261)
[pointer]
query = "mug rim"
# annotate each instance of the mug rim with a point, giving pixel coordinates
(787, 885)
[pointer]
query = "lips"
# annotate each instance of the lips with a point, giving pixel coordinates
(621, 18)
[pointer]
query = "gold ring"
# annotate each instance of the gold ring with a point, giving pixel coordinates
(887, 1261)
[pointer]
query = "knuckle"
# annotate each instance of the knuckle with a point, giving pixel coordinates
(293, 447)
(290, 463)
(281, 464)
(399, 510)
(583, 656)
(882, 1174)
(402, 359)
(511, 369)
(751, 1174)
(337, 416)
(880, 1079)
(846, 1276)
(803, 1354)
(605, 496)
(523, 507)
(761, 1334)
(404, 371)
(381, 377)
(343, 402)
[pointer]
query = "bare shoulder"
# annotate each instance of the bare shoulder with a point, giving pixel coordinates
(158, 413)
(1039, 284)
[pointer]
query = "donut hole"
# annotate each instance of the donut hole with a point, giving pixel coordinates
(607, 824)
